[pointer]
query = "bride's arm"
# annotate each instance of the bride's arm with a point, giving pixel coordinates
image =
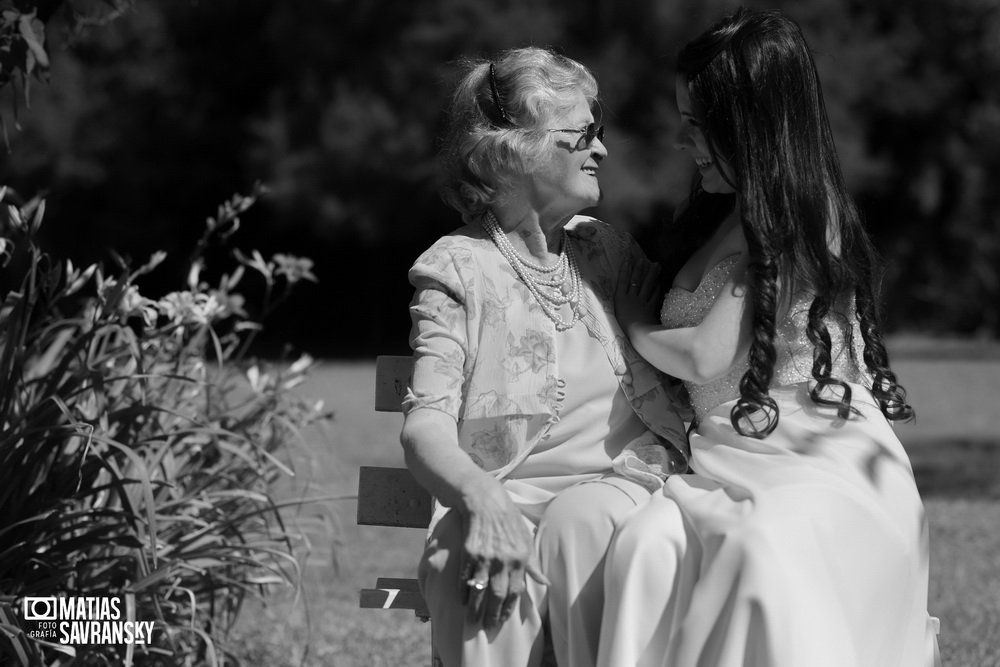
(697, 354)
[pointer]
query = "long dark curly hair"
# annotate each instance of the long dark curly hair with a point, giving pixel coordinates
(754, 87)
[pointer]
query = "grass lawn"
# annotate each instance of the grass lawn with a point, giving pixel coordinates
(954, 446)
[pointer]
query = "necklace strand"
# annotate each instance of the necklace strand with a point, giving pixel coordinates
(504, 243)
(549, 290)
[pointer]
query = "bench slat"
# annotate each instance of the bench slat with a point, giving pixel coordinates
(391, 497)
(379, 598)
(409, 585)
(393, 374)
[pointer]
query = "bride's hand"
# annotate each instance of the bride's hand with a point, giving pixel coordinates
(637, 295)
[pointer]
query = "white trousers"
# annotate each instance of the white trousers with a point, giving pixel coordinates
(571, 541)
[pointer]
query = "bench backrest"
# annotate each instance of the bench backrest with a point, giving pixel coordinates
(390, 496)
(392, 376)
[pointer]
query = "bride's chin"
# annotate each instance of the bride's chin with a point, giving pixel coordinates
(716, 186)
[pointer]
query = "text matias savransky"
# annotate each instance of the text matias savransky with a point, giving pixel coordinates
(84, 621)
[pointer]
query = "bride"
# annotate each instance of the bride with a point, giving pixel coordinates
(800, 539)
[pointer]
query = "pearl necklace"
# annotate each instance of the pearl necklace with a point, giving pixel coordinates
(549, 288)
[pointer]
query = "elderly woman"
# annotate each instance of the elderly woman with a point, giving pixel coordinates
(530, 419)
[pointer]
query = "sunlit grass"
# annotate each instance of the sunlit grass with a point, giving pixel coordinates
(965, 576)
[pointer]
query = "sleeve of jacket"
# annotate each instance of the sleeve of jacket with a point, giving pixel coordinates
(664, 405)
(439, 313)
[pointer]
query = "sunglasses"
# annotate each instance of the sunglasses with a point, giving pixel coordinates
(587, 135)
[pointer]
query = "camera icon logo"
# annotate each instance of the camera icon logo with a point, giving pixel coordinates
(41, 609)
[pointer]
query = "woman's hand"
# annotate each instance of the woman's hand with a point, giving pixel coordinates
(499, 546)
(499, 553)
(637, 295)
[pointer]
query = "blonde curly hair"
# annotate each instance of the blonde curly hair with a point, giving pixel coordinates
(494, 122)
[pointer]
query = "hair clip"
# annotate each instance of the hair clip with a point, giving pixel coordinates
(496, 95)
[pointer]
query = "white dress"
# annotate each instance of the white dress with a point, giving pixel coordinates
(807, 548)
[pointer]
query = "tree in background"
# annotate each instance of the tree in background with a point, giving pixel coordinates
(337, 106)
(140, 445)
(930, 105)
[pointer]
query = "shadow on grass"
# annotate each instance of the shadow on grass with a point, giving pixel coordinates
(957, 468)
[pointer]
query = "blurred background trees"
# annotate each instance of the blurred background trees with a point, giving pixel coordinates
(336, 105)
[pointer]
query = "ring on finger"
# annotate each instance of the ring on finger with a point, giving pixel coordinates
(477, 584)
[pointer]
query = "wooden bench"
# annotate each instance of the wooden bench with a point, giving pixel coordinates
(392, 497)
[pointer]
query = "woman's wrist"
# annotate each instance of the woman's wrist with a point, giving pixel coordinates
(479, 491)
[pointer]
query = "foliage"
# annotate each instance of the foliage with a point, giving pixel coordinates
(337, 105)
(139, 446)
(23, 53)
(930, 102)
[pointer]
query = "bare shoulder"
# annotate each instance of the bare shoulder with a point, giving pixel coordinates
(724, 244)
(731, 243)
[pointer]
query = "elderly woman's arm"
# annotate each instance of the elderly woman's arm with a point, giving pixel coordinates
(498, 545)
(430, 447)
(697, 354)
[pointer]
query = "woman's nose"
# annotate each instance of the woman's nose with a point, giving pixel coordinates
(682, 139)
(598, 149)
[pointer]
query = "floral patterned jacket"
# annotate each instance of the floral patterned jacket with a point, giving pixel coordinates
(484, 351)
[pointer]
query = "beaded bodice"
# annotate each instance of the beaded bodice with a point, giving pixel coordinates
(793, 364)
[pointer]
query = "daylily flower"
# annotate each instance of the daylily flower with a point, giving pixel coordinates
(191, 308)
(75, 279)
(230, 304)
(296, 372)
(133, 303)
(294, 268)
(259, 382)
